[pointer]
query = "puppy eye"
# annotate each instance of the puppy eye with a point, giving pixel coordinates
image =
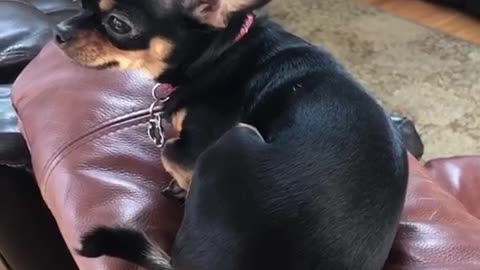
(118, 25)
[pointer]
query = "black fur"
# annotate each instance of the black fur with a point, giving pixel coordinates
(113, 242)
(324, 185)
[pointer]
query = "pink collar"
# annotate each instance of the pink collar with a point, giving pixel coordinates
(166, 89)
(246, 27)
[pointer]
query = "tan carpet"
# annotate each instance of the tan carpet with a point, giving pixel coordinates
(414, 71)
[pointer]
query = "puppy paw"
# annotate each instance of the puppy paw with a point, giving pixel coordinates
(174, 191)
(178, 119)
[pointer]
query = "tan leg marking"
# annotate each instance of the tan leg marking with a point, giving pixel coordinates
(178, 119)
(106, 5)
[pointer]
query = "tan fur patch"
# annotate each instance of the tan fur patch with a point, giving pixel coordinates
(181, 175)
(106, 5)
(230, 6)
(236, 5)
(92, 49)
(178, 118)
(219, 17)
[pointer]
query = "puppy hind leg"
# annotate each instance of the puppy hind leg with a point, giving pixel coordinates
(236, 146)
(175, 191)
(178, 160)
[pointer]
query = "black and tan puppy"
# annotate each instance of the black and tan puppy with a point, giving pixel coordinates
(317, 178)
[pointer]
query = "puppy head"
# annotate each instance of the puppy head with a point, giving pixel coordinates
(141, 34)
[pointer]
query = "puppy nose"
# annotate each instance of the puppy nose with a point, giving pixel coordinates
(63, 33)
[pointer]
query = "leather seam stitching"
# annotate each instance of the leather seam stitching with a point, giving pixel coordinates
(111, 122)
(77, 144)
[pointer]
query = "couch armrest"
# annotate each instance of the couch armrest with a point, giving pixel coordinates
(29, 237)
(25, 27)
(438, 231)
(93, 160)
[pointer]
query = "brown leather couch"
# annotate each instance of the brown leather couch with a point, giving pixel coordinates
(95, 165)
(29, 237)
(25, 27)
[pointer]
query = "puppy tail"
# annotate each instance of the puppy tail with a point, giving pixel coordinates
(125, 244)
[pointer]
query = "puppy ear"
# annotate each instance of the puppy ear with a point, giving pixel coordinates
(217, 12)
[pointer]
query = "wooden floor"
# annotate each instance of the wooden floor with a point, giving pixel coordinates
(445, 19)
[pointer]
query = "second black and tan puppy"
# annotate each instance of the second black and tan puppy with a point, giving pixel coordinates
(317, 178)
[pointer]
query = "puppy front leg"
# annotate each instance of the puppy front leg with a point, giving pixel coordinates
(198, 130)
(174, 163)
(178, 166)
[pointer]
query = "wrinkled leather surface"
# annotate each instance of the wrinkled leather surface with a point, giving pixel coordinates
(461, 178)
(7, 114)
(25, 27)
(13, 150)
(92, 158)
(439, 231)
(95, 165)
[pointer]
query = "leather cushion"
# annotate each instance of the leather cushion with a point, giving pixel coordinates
(56, 10)
(95, 165)
(439, 229)
(25, 27)
(91, 155)
(13, 150)
(460, 177)
(29, 237)
(24, 31)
